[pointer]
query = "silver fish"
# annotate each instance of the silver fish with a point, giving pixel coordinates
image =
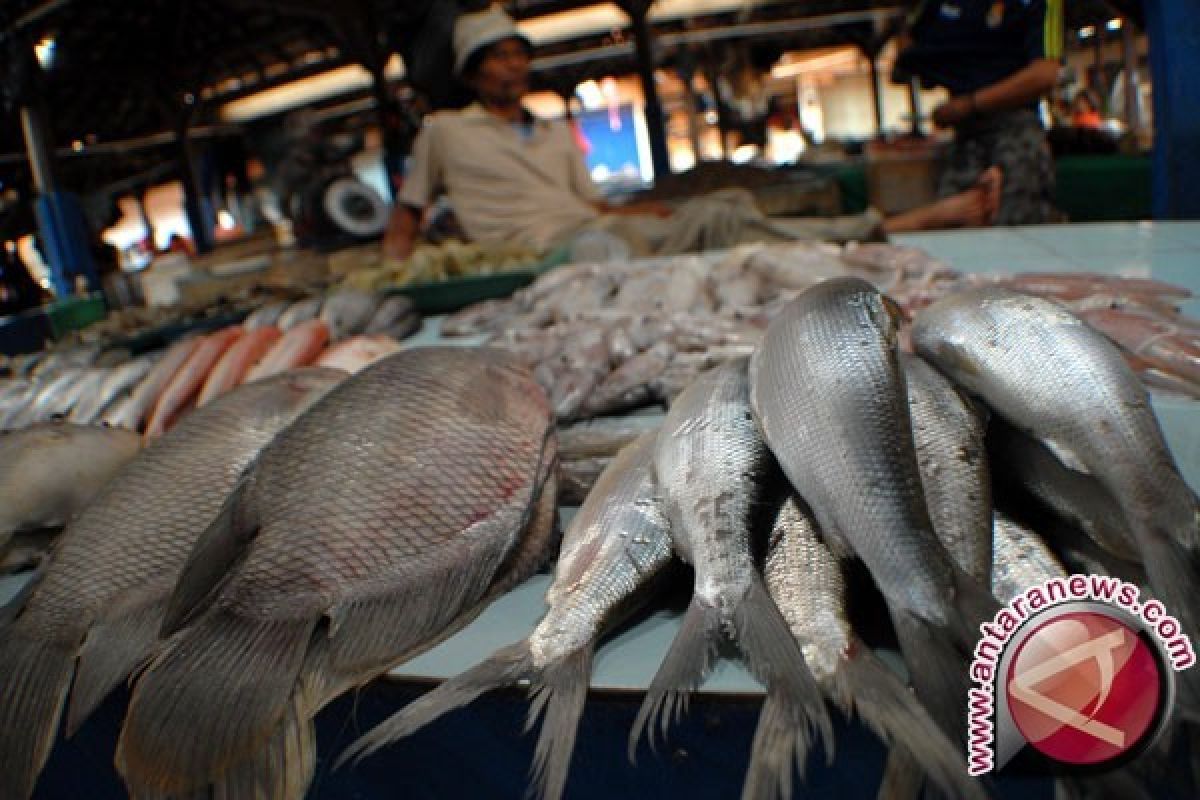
(711, 464)
(1053, 376)
(299, 311)
(1021, 559)
(948, 432)
(604, 436)
(51, 471)
(806, 580)
(348, 311)
(54, 396)
(116, 383)
(614, 548)
(132, 411)
(265, 316)
(96, 613)
(630, 385)
(390, 313)
(830, 397)
(347, 549)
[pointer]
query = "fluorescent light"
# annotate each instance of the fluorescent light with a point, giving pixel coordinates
(44, 50)
(1087, 31)
(1113, 25)
(306, 91)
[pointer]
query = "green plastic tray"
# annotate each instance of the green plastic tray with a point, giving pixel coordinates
(74, 313)
(443, 297)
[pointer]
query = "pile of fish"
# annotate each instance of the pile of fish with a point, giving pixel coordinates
(302, 534)
(607, 337)
(346, 330)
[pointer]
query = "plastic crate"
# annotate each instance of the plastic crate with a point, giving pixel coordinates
(74, 313)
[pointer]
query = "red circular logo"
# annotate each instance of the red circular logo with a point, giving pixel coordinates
(1084, 688)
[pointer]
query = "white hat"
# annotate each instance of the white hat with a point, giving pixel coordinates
(481, 29)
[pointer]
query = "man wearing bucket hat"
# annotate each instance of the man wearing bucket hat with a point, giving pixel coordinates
(513, 178)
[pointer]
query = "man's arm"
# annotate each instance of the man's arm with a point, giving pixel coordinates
(652, 207)
(401, 232)
(1018, 90)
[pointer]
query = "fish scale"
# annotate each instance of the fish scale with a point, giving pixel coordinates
(369, 530)
(116, 564)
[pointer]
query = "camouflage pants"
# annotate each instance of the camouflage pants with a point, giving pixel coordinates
(1015, 142)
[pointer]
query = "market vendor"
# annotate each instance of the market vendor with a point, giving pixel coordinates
(997, 58)
(513, 178)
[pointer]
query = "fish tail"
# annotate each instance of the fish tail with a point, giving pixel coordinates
(865, 684)
(113, 648)
(1174, 573)
(938, 667)
(685, 667)
(794, 708)
(35, 675)
(558, 699)
(903, 776)
(505, 667)
(218, 707)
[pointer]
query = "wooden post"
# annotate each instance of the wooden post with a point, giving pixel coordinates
(644, 45)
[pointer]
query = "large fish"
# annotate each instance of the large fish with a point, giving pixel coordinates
(711, 464)
(366, 532)
(97, 611)
(830, 397)
(1053, 376)
(49, 472)
(806, 580)
(179, 395)
(1021, 559)
(948, 432)
(611, 552)
(116, 383)
(133, 410)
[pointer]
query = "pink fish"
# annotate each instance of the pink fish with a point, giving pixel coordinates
(299, 347)
(177, 397)
(237, 361)
(133, 410)
(357, 352)
(1158, 342)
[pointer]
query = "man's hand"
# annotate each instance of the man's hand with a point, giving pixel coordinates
(401, 233)
(955, 110)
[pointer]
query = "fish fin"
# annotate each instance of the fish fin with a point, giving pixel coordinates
(938, 670)
(211, 560)
(215, 695)
(116, 643)
(684, 668)
(558, 699)
(865, 684)
(903, 777)
(16, 604)
(1174, 575)
(795, 706)
(503, 668)
(35, 675)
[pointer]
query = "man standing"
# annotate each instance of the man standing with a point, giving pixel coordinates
(997, 58)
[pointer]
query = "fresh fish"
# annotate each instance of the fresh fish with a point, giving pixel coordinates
(391, 312)
(630, 385)
(1025, 464)
(102, 599)
(240, 358)
(614, 548)
(711, 464)
(347, 312)
(1021, 559)
(603, 437)
(1051, 375)
(187, 382)
(265, 317)
(328, 588)
(51, 397)
(16, 395)
(576, 372)
(358, 352)
(132, 411)
(806, 581)
(1163, 344)
(577, 477)
(948, 432)
(88, 385)
(299, 347)
(118, 381)
(298, 312)
(51, 471)
(830, 397)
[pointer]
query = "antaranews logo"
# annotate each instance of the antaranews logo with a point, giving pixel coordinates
(1079, 668)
